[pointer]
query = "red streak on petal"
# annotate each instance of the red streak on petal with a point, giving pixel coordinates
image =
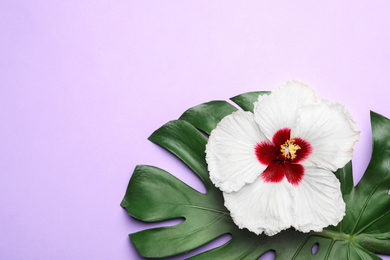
(273, 173)
(276, 171)
(281, 136)
(266, 152)
(304, 152)
(293, 172)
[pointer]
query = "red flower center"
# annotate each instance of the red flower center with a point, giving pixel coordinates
(282, 157)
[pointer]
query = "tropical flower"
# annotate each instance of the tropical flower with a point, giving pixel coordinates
(275, 165)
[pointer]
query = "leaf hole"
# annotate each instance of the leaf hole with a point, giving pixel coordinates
(268, 255)
(388, 192)
(314, 249)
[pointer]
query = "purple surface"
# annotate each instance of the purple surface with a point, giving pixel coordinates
(84, 83)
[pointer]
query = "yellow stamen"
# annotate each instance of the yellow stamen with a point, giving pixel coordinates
(289, 149)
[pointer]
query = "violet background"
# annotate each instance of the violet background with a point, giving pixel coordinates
(84, 83)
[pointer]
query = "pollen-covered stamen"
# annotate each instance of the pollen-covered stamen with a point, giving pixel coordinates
(289, 149)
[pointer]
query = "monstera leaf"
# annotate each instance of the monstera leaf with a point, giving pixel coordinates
(155, 195)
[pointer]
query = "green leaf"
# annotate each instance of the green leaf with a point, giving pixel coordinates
(155, 195)
(206, 116)
(246, 100)
(187, 143)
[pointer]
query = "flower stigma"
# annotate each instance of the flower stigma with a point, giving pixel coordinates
(289, 149)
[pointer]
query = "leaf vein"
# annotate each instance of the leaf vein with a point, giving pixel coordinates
(208, 209)
(372, 222)
(357, 251)
(330, 249)
(300, 247)
(364, 208)
(198, 229)
(251, 248)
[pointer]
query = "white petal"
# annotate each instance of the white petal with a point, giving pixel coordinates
(330, 130)
(318, 202)
(262, 207)
(280, 109)
(230, 152)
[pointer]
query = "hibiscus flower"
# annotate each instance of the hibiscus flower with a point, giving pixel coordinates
(275, 165)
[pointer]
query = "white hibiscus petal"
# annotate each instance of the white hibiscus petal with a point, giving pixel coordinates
(280, 109)
(318, 202)
(262, 207)
(330, 130)
(230, 152)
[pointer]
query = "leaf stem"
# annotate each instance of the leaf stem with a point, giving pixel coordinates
(335, 235)
(381, 246)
